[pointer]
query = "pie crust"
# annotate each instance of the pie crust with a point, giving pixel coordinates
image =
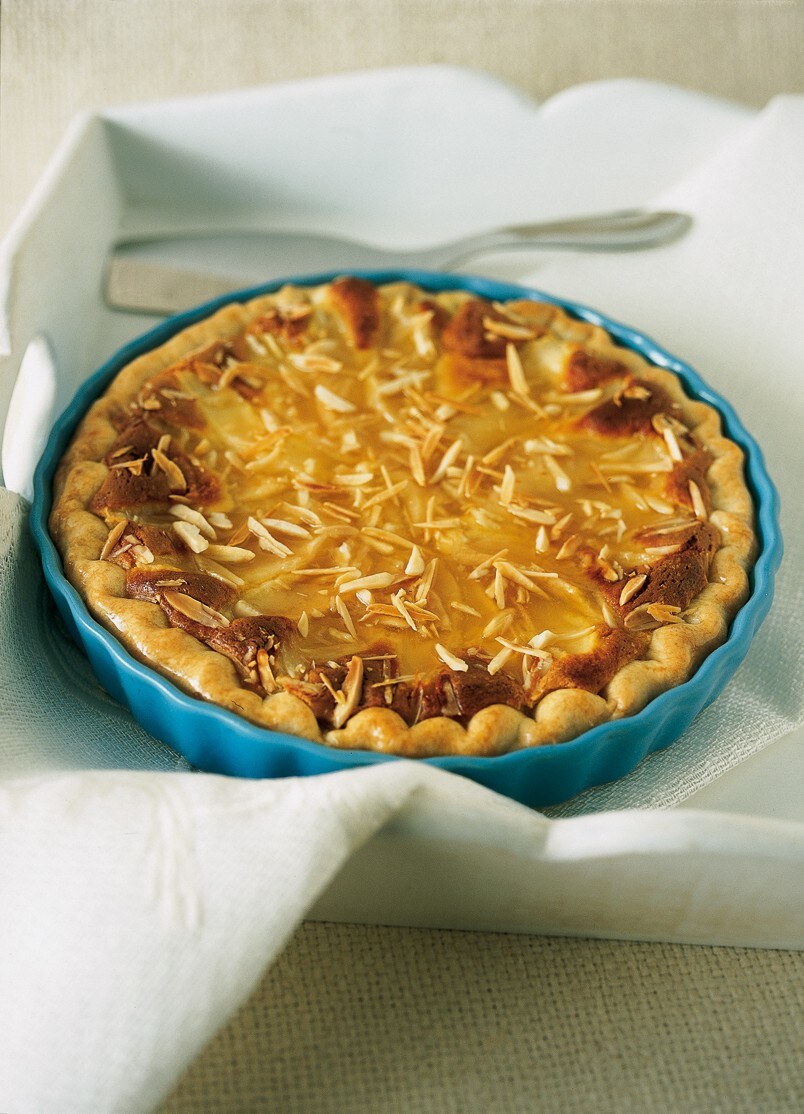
(417, 523)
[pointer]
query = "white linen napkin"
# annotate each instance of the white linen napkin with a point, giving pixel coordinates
(142, 903)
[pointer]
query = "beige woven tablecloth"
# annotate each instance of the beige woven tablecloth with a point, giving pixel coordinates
(355, 1019)
(366, 1020)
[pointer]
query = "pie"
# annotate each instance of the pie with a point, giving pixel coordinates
(419, 523)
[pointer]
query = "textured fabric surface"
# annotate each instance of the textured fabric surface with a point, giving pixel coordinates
(108, 989)
(354, 1020)
(742, 49)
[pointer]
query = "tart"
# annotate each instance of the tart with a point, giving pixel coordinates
(417, 523)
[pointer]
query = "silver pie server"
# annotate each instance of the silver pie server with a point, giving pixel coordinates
(167, 274)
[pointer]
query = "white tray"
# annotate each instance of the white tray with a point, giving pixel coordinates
(272, 157)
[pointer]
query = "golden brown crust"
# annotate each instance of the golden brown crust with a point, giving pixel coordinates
(656, 541)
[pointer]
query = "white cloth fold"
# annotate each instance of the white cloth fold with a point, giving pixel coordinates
(141, 903)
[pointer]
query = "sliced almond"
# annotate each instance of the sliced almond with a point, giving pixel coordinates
(449, 659)
(352, 691)
(632, 587)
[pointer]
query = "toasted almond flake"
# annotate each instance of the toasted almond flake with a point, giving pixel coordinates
(660, 550)
(236, 461)
(354, 479)
(245, 610)
(266, 539)
(151, 403)
(450, 660)
(343, 611)
(544, 638)
(538, 445)
(664, 612)
(305, 514)
(637, 391)
(542, 541)
(465, 608)
(499, 400)
(227, 376)
(661, 506)
(576, 398)
(426, 581)
(195, 610)
(448, 459)
(466, 477)
(176, 582)
(382, 496)
(220, 521)
(217, 570)
(493, 455)
(438, 524)
(569, 547)
(189, 514)
(334, 402)
(562, 480)
(175, 476)
(431, 440)
(444, 412)
(351, 692)
(663, 427)
(374, 580)
(229, 554)
(698, 505)
(507, 329)
(632, 587)
(142, 554)
(529, 514)
(282, 526)
(399, 603)
(670, 527)
(375, 543)
(507, 486)
(415, 565)
(479, 570)
(386, 536)
(289, 378)
(121, 452)
(255, 346)
(510, 572)
(421, 613)
(634, 495)
(417, 465)
(499, 660)
(115, 534)
(401, 679)
(609, 572)
(499, 589)
(516, 372)
(641, 619)
(191, 536)
(265, 672)
(336, 694)
(342, 514)
(560, 526)
(314, 362)
(401, 383)
(331, 570)
(303, 625)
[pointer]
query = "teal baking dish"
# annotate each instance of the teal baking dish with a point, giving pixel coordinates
(218, 741)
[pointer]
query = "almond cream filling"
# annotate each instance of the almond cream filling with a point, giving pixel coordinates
(385, 497)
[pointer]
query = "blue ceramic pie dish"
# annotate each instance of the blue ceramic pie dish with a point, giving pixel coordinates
(219, 741)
